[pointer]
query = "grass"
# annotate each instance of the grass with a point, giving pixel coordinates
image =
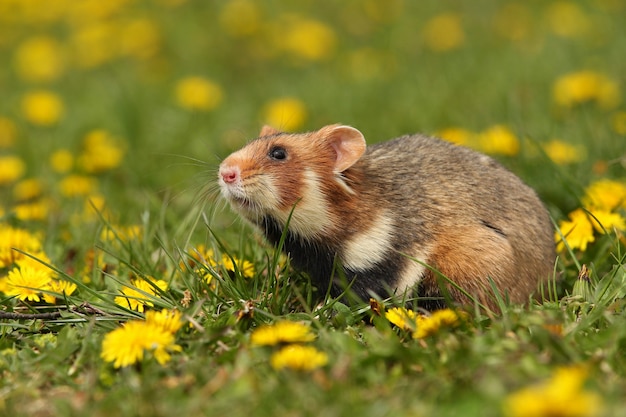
(388, 68)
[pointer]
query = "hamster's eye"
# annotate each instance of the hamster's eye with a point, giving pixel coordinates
(278, 153)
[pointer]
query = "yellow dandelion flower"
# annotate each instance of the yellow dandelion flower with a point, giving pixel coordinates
(429, 325)
(299, 358)
(123, 233)
(402, 318)
(11, 169)
(244, 266)
(36, 210)
(14, 238)
(43, 108)
(77, 185)
(567, 19)
(282, 332)
(240, 18)
(138, 295)
(444, 32)
(140, 38)
(62, 161)
(456, 135)
(498, 140)
(562, 395)
(39, 59)
(95, 44)
(307, 39)
(603, 220)
(94, 207)
(60, 287)
(605, 194)
(197, 93)
(8, 132)
(101, 152)
(28, 189)
(619, 124)
(126, 345)
(168, 320)
(202, 255)
(563, 153)
(26, 282)
(578, 231)
(586, 86)
(287, 113)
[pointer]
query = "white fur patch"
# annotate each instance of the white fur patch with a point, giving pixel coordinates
(369, 247)
(310, 218)
(414, 271)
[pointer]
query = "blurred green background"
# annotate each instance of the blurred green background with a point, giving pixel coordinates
(168, 80)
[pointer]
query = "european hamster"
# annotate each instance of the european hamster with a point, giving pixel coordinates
(371, 209)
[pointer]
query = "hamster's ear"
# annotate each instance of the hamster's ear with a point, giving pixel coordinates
(268, 131)
(348, 144)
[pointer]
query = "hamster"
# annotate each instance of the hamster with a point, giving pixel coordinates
(393, 216)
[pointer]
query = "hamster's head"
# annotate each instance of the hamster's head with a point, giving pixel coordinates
(290, 177)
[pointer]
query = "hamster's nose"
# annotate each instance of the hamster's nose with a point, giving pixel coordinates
(229, 175)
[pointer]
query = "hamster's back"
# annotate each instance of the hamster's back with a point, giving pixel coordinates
(470, 215)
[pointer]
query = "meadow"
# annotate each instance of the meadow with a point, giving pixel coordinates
(127, 286)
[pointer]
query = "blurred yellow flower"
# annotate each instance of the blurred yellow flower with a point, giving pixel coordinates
(21, 239)
(567, 19)
(619, 124)
(168, 320)
(62, 161)
(603, 220)
(26, 282)
(307, 38)
(578, 231)
(563, 153)
(605, 194)
(138, 295)
(60, 287)
(126, 345)
(402, 318)
(282, 332)
(101, 152)
(430, 325)
(240, 17)
(11, 169)
(498, 140)
(423, 325)
(586, 86)
(286, 113)
(140, 38)
(443, 32)
(28, 189)
(197, 93)
(456, 135)
(299, 358)
(8, 132)
(95, 206)
(42, 108)
(77, 185)
(562, 395)
(123, 233)
(39, 59)
(95, 44)
(36, 210)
